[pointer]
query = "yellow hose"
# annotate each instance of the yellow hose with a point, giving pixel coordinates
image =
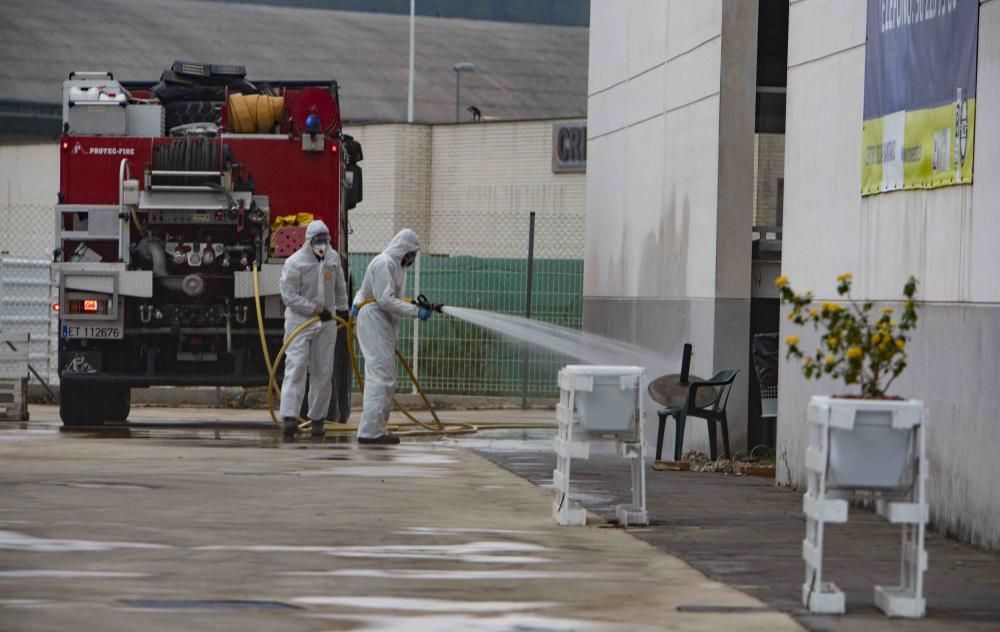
(252, 113)
(438, 427)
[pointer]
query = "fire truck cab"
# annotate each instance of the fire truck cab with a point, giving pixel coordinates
(171, 194)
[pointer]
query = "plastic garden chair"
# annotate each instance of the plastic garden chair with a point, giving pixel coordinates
(714, 411)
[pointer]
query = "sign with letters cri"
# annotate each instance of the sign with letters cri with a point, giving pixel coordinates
(920, 94)
(569, 147)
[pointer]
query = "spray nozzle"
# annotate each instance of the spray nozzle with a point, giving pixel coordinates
(423, 302)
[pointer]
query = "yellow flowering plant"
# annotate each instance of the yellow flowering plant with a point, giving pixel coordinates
(855, 345)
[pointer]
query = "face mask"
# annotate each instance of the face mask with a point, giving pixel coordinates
(408, 259)
(319, 245)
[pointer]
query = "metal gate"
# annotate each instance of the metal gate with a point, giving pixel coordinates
(26, 306)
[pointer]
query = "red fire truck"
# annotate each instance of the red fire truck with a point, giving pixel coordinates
(171, 193)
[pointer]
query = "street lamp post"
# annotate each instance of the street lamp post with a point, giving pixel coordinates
(459, 69)
(409, 94)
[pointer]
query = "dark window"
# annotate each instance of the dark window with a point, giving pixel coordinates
(772, 66)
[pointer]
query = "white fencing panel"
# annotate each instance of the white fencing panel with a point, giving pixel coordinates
(26, 297)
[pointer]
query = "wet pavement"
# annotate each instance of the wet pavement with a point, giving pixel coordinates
(203, 519)
(747, 533)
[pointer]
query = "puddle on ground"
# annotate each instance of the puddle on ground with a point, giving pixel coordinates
(205, 604)
(406, 573)
(590, 500)
(467, 623)
(383, 456)
(460, 531)
(22, 434)
(25, 603)
(473, 553)
(63, 574)
(424, 605)
(726, 567)
(97, 485)
(506, 445)
(378, 471)
(22, 542)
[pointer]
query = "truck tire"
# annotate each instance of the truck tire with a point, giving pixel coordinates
(184, 112)
(117, 403)
(80, 406)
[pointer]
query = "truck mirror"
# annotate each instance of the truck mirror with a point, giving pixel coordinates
(355, 190)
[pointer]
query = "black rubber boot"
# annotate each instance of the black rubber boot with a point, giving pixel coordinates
(291, 427)
(386, 439)
(318, 429)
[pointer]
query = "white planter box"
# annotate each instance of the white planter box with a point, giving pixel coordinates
(872, 455)
(600, 404)
(877, 447)
(870, 442)
(610, 404)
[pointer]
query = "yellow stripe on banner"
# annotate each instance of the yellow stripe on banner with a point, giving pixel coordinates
(871, 152)
(933, 156)
(931, 148)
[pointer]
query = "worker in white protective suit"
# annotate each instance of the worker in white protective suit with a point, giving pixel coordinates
(378, 308)
(312, 283)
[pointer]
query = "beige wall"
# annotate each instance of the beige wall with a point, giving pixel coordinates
(501, 171)
(467, 189)
(397, 188)
(769, 167)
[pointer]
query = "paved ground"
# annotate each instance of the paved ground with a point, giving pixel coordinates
(747, 533)
(182, 524)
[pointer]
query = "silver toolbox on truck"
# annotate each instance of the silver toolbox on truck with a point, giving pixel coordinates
(94, 104)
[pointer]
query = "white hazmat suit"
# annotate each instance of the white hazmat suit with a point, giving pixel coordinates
(378, 327)
(308, 281)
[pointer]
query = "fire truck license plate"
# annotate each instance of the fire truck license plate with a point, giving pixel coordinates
(101, 330)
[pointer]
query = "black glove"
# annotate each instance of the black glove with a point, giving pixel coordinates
(424, 303)
(325, 315)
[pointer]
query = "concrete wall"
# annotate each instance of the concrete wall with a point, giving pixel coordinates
(946, 237)
(397, 188)
(769, 169)
(501, 171)
(467, 189)
(670, 182)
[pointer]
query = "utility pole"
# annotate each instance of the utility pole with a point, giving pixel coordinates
(409, 97)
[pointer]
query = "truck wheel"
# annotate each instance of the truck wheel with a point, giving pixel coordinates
(80, 406)
(117, 403)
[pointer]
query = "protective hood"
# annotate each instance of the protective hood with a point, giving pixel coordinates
(316, 227)
(405, 241)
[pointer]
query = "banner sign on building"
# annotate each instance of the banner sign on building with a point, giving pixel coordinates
(920, 94)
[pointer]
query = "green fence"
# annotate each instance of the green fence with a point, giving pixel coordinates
(454, 357)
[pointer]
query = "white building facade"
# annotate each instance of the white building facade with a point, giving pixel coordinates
(670, 189)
